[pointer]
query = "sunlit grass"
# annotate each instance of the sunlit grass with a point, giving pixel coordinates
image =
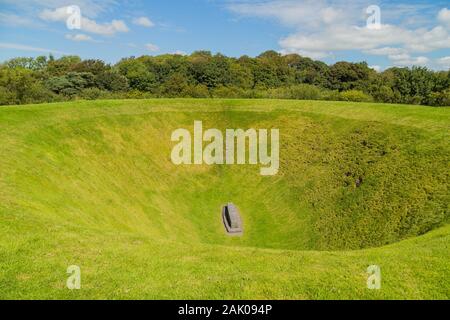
(92, 184)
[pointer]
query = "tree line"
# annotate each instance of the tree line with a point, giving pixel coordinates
(204, 75)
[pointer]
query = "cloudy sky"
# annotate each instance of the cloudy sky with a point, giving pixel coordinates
(406, 33)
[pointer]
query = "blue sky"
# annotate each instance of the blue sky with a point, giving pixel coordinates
(407, 33)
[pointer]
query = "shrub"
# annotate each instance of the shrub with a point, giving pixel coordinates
(330, 95)
(136, 94)
(297, 92)
(441, 99)
(92, 94)
(413, 100)
(174, 86)
(355, 96)
(71, 83)
(274, 93)
(384, 94)
(112, 81)
(304, 92)
(38, 93)
(227, 92)
(202, 75)
(198, 91)
(7, 97)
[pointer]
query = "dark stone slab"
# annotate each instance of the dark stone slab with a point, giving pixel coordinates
(232, 219)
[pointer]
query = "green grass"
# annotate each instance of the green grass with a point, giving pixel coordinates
(92, 184)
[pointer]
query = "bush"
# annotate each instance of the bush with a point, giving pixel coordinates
(384, 94)
(38, 93)
(7, 97)
(417, 100)
(304, 92)
(440, 99)
(274, 93)
(136, 94)
(301, 92)
(355, 96)
(330, 95)
(93, 93)
(175, 86)
(203, 75)
(19, 86)
(257, 93)
(112, 81)
(227, 92)
(198, 91)
(71, 83)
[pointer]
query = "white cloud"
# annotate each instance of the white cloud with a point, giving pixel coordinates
(406, 60)
(444, 16)
(78, 37)
(180, 52)
(143, 22)
(384, 51)
(324, 27)
(361, 38)
(317, 55)
(13, 20)
(376, 68)
(444, 62)
(59, 14)
(104, 29)
(23, 47)
(311, 13)
(87, 25)
(89, 8)
(152, 47)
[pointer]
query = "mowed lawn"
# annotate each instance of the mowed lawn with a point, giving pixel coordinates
(91, 183)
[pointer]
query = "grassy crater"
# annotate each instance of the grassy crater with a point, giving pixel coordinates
(345, 181)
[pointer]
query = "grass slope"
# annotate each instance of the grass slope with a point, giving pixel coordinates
(92, 184)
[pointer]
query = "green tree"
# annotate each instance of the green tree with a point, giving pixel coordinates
(20, 85)
(62, 66)
(92, 66)
(138, 75)
(71, 83)
(346, 75)
(175, 86)
(112, 81)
